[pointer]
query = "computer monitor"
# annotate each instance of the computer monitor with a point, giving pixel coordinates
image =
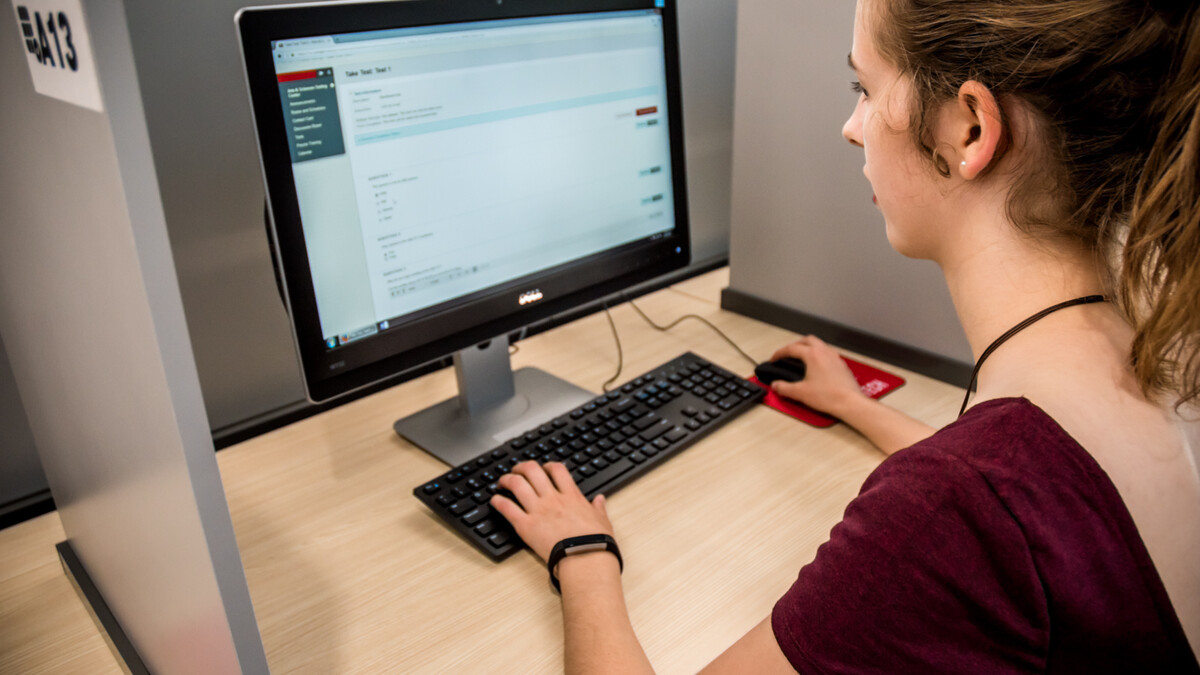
(441, 173)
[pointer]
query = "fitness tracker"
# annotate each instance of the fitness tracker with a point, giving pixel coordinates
(576, 545)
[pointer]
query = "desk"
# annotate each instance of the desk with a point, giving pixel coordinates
(349, 573)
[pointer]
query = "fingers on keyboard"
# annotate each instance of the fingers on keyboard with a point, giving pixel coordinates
(561, 477)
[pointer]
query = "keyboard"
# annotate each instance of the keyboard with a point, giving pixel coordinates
(605, 443)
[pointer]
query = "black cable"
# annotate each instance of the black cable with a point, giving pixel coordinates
(699, 318)
(1086, 300)
(620, 354)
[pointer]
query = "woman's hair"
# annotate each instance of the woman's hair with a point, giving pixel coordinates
(1114, 89)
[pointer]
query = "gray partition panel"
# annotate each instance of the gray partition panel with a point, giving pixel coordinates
(21, 472)
(805, 233)
(93, 324)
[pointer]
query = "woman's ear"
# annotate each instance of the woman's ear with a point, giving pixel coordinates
(975, 129)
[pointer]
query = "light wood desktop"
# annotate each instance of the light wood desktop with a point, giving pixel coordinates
(349, 573)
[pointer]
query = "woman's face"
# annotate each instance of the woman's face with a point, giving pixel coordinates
(907, 190)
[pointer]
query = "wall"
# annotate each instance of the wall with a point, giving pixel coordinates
(806, 236)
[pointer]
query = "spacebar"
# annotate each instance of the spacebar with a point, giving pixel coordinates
(591, 484)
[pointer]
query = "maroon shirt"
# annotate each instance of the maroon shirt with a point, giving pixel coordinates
(996, 545)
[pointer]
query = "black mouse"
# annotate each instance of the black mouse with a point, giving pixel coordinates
(788, 369)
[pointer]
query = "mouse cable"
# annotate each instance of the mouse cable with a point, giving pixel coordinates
(663, 329)
(700, 318)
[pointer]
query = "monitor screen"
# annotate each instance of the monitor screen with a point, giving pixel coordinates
(440, 172)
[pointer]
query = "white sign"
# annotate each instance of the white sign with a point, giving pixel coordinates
(59, 51)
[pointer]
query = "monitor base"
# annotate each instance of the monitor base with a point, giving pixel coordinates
(454, 433)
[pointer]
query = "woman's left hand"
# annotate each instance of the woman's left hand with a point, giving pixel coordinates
(549, 506)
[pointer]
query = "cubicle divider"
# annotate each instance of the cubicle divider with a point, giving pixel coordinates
(93, 324)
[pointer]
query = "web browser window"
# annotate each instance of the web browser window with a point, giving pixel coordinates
(432, 163)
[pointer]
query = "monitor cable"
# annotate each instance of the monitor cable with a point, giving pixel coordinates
(620, 354)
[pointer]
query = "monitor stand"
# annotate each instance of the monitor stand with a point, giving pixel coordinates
(494, 403)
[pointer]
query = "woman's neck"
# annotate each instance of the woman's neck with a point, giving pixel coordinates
(1008, 278)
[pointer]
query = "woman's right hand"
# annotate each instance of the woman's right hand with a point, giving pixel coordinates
(828, 384)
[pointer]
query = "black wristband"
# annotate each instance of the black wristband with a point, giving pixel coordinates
(576, 545)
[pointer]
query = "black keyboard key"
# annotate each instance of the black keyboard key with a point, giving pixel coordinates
(647, 421)
(461, 506)
(653, 432)
(592, 483)
(623, 406)
(476, 515)
(431, 488)
(675, 435)
(485, 528)
(498, 540)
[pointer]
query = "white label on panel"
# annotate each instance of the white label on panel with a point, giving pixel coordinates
(59, 51)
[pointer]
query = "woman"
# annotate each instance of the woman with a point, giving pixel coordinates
(1028, 147)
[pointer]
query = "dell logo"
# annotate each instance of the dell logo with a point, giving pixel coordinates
(529, 296)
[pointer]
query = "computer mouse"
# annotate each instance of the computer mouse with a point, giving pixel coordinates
(788, 369)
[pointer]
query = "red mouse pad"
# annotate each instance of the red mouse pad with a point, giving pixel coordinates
(874, 382)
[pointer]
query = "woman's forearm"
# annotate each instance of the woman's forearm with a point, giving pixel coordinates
(887, 428)
(598, 635)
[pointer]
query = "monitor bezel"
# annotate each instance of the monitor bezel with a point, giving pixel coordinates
(484, 315)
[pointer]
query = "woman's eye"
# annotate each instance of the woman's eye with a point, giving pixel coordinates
(857, 87)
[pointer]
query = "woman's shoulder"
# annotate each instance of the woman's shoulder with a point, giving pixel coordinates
(1034, 472)
(998, 444)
